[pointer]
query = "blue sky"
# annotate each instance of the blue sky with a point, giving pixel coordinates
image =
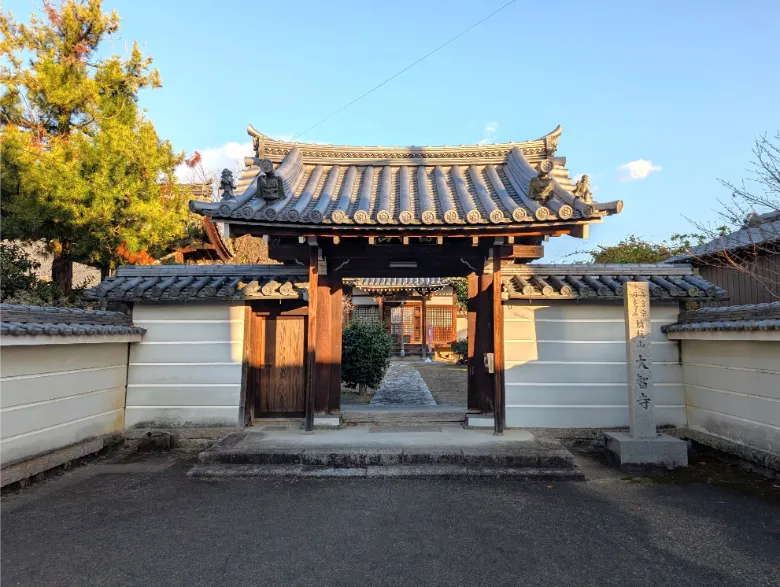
(685, 85)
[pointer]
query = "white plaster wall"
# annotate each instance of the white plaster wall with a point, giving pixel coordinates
(566, 366)
(56, 395)
(187, 369)
(732, 390)
(461, 327)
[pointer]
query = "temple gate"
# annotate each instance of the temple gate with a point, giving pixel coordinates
(356, 212)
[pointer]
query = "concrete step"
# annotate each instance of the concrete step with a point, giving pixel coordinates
(403, 416)
(444, 450)
(386, 472)
(341, 457)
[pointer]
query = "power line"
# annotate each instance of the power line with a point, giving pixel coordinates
(460, 34)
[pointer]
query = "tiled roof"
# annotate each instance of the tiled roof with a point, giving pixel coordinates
(18, 320)
(759, 231)
(400, 283)
(751, 317)
(404, 186)
(203, 282)
(603, 282)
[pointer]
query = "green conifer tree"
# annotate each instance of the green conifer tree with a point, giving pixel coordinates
(82, 167)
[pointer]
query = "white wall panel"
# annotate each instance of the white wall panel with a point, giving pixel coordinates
(187, 370)
(565, 366)
(56, 395)
(732, 390)
(181, 416)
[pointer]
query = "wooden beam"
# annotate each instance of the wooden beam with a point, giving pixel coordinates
(311, 340)
(580, 231)
(522, 252)
(499, 392)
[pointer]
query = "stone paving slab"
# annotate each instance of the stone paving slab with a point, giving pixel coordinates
(402, 386)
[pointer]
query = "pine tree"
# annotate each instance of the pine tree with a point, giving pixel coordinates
(82, 167)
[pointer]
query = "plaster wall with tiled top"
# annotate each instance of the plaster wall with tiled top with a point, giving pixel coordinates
(731, 365)
(566, 365)
(54, 395)
(62, 373)
(187, 369)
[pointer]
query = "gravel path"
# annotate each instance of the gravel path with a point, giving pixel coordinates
(402, 386)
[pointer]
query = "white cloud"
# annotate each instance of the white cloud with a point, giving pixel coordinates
(230, 155)
(636, 170)
(489, 133)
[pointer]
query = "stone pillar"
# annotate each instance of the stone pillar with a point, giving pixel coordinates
(639, 360)
(642, 445)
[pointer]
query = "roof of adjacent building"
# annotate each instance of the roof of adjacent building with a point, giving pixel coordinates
(604, 282)
(424, 187)
(753, 317)
(400, 284)
(759, 230)
(20, 320)
(203, 282)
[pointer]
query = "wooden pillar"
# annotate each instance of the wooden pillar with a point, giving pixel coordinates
(480, 394)
(499, 391)
(424, 323)
(336, 327)
(324, 345)
(471, 335)
(311, 339)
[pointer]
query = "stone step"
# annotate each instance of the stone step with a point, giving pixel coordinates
(395, 416)
(389, 471)
(346, 458)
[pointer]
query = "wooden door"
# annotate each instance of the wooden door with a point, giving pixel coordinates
(280, 373)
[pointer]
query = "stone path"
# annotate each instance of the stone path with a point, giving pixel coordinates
(402, 386)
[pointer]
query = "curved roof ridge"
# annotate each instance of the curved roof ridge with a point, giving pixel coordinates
(266, 145)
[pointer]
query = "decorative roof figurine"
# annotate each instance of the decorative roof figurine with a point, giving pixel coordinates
(227, 184)
(582, 189)
(271, 187)
(541, 187)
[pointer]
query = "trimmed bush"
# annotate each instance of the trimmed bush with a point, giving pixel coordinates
(365, 355)
(461, 348)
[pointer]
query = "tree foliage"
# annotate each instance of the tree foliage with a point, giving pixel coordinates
(82, 167)
(365, 355)
(460, 285)
(635, 249)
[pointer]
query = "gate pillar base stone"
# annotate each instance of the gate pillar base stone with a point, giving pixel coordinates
(663, 450)
(327, 421)
(480, 421)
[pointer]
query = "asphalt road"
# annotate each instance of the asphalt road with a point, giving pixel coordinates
(148, 524)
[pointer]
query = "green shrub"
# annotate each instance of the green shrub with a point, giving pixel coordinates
(20, 285)
(461, 348)
(365, 355)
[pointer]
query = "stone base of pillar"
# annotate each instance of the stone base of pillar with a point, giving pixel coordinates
(661, 451)
(326, 421)
(480, 421)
